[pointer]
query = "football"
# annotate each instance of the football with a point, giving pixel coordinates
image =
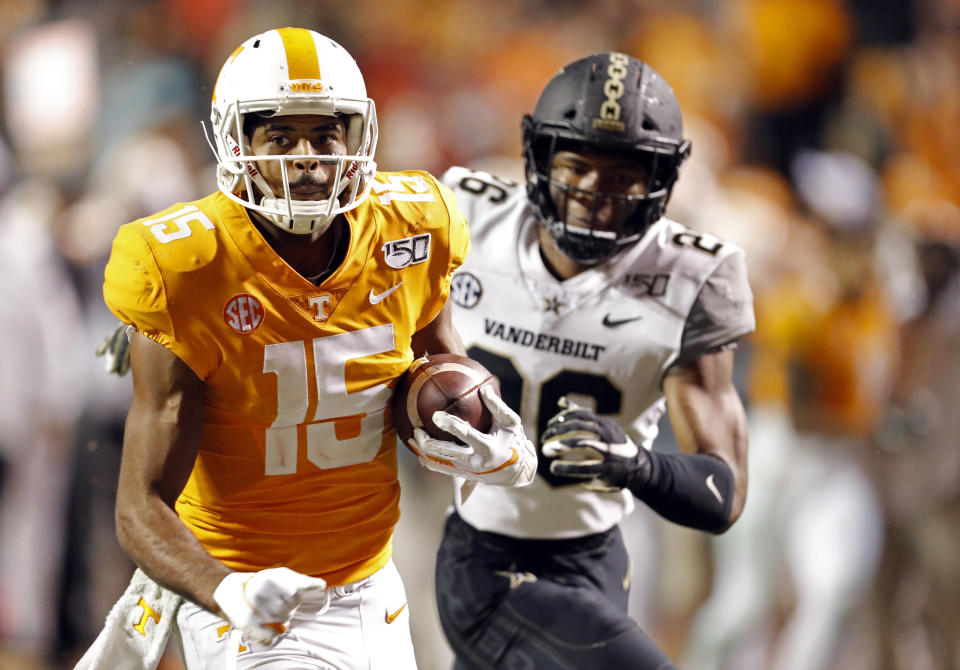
(445, 382)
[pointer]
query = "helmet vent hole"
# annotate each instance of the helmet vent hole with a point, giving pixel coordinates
(648, 124)
(570, 114)
(256, 45)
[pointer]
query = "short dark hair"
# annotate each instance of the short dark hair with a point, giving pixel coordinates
(254, 120)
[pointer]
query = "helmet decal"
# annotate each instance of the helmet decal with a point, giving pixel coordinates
(609, 115)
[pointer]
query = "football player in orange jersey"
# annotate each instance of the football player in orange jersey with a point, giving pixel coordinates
(272, 318)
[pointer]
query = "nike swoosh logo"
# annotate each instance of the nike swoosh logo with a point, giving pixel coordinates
(713, 489)
(613, 323)
(376, 298)
(393, 617)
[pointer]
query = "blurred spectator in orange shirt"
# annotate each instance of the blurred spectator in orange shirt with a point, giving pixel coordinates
(823, 359)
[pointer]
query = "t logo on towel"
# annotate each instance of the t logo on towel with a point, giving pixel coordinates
(148, 613)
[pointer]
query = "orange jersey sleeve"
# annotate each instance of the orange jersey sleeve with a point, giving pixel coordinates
(298, 461)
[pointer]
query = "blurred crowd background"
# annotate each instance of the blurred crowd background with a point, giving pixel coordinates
(826, 142)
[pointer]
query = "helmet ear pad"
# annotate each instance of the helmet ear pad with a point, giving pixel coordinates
(536, 155)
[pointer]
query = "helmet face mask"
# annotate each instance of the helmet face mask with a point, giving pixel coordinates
(284, 72)
(608, 105)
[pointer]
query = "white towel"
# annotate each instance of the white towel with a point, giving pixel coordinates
(137, 628)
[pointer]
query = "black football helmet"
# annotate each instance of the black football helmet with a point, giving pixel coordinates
(606, 103)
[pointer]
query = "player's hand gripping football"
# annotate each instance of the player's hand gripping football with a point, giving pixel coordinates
(593, 450)
(502, 457)
(261, 604)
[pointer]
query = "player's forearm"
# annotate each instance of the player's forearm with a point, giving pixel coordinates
(694, 490)
(158, 542)
(704, 487)
(162, 436)
(722, 435)
(710, 424)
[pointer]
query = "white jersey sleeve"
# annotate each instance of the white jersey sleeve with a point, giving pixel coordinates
(722, 312)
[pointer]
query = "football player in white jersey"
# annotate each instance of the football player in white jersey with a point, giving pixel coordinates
(271, 320)
(597, 314)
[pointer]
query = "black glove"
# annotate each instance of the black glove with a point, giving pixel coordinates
(694, 490)
(585, 448)
(115, 350)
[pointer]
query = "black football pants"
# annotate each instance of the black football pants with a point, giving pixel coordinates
(539, 604)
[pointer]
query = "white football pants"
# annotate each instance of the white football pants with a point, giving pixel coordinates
(366, 626)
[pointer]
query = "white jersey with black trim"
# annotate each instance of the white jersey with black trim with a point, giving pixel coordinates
(605, 338)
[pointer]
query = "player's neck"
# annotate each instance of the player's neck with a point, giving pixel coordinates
(558, 263)
(314, 258)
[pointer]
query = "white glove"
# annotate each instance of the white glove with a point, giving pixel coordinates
(261, 604)
(503, 457)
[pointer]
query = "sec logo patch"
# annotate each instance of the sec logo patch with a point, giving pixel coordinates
(243, 313)
(465, 289)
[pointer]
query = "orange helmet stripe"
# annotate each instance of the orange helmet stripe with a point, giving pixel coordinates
(236, 52)
(301, 53)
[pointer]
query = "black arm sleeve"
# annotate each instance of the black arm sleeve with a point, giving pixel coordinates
(694, 490)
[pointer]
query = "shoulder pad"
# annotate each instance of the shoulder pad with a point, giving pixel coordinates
(182, 237)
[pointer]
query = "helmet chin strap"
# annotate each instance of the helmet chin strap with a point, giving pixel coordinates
(300, 217)
(301, 223)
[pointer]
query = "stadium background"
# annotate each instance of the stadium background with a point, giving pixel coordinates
(825, 142)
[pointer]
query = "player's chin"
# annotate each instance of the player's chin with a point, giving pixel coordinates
(605, 221)
(313, 196)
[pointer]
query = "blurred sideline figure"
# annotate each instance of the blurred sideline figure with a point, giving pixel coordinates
(917, 595)
(95, 568)
(598, 315)
(40, 400)
(787, 579)
(258, 486)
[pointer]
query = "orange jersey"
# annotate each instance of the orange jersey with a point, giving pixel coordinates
(298, 460)
(832, 360)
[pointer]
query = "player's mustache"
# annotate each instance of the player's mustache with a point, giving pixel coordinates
(308, 182)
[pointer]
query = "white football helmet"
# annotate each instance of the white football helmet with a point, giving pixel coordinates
(292, 71)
